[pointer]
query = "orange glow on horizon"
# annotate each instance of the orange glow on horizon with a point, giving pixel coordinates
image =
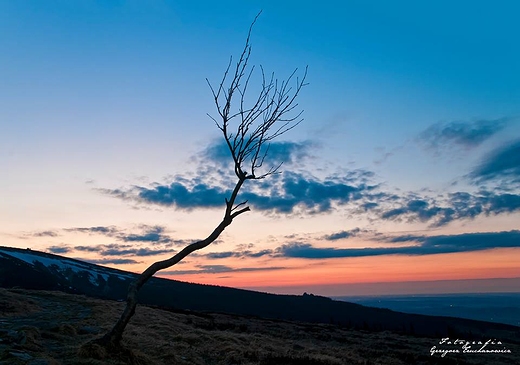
(498, 263)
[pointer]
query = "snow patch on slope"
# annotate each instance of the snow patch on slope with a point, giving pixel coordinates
(63, 264)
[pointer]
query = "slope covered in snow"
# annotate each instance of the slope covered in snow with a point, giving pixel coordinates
(97, 275)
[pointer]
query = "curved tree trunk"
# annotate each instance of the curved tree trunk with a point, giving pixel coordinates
(266, 119)
(113, 338)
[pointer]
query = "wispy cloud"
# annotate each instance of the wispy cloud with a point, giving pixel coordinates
(123, 250)
(502, 163)
(237, 253)
(153, 234)
(461, 133)
(415, 209)
(456, 206)
(59, 249)
(109, 231)
(342, 234)
(111, 261)
(285, 152)
(424, 245)
(46, 234)
(218, 269)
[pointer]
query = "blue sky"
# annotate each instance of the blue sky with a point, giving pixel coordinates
(405, 168)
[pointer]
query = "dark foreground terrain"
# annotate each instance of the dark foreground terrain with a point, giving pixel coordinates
(50, 327)
(34, 270)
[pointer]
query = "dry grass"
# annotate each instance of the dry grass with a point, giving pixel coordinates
(13, 303)
(58, 332)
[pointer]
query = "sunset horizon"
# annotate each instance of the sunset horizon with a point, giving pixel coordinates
(402, 179)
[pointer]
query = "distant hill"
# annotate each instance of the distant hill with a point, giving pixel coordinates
(31, 269)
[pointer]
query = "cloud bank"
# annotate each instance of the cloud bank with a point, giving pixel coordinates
(354, 191)
(424, 245)
(285, 193)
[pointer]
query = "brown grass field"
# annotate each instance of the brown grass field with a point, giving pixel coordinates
(51, 328)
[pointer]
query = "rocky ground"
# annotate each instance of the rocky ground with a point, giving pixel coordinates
(50, 328)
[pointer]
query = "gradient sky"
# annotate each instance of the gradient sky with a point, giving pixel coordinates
(406, 169)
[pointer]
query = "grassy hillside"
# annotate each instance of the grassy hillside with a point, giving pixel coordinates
(49, 328)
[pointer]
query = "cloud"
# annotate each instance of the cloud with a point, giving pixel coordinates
(123, 250)
(308, 251)
(218, 269)
(46, 234)
(150, 234)
(424, 245)
(238, 253)
(463, 134)
(176, 194)
(419, 209)
(404, 238)
(502, 163)
(284, 193)
(385, 155)
(222, 255)
(257, 253)
(342, 234)
(507, 203)
(109, 231)
(460, 205)
(277, 152)
(132, 245)
(110, 261)
(59, 249)
(182, 194)
(154, 234)
(182, 242)
(294, 191)
(368, 206)
(136, 252)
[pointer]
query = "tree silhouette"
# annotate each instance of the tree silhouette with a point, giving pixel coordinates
(248, 124)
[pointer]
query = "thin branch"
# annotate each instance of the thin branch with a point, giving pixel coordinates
(269, 115)
(239, 205)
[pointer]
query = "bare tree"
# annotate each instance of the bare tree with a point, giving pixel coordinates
(247, 131)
